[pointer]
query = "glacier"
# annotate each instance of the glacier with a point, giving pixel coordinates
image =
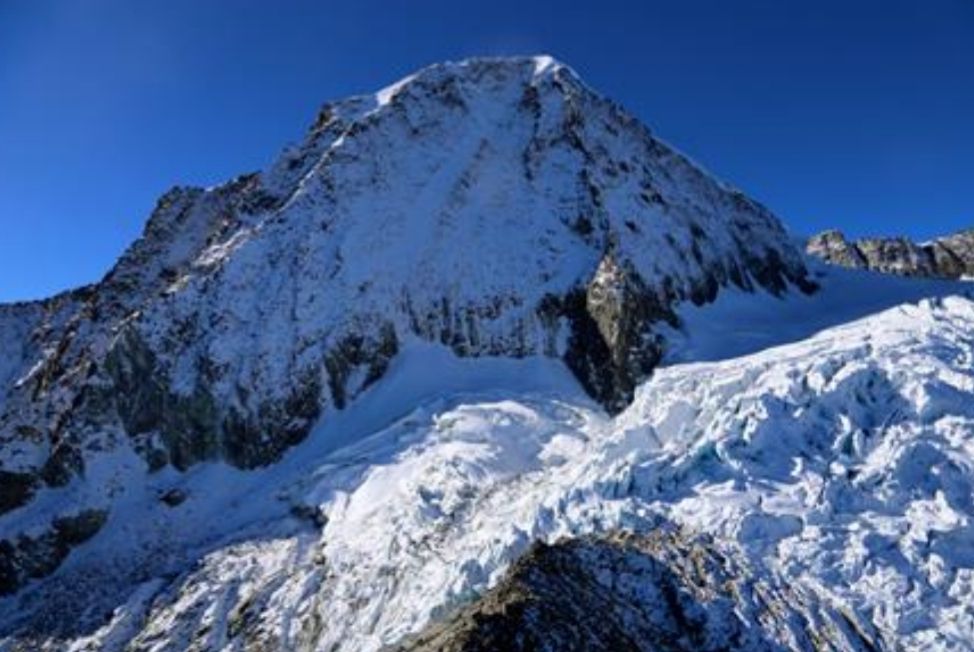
(839, 460)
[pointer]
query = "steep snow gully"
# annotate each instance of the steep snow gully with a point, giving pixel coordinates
(481, 364)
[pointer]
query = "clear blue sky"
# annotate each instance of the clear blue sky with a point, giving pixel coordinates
(856, 114)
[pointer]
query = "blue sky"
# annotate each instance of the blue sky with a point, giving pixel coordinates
(857, 114)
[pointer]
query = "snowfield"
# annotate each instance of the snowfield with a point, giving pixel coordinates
(842, 462)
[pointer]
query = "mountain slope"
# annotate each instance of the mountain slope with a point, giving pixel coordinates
(660, 591)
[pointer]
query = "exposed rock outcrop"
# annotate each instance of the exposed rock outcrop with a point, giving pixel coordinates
(660, 591)
(29, 557)
(948, 257)
(612, 346)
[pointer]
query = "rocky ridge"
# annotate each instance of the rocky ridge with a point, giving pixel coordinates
(663, 590)
(949, 257)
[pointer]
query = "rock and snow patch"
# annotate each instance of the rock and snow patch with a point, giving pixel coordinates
(946, 257)
(642, 592)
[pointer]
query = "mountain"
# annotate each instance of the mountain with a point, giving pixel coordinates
(948, 257)
(477, 326)
(498, 207)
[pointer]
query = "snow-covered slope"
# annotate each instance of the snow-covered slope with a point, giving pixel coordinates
(838, 466)
(498, 207)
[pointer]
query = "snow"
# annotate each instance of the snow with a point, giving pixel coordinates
(803, 454)
(424, 372)
(544, 65)
(841, 461)
(385, 95)
(739, 323)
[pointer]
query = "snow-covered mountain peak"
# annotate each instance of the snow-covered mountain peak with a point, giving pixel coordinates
(497, 207)
(471, 203)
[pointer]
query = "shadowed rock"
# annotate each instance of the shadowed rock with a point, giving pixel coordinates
(662, 591)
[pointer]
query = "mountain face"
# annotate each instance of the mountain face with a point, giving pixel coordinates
(948, 257)
(481, 354)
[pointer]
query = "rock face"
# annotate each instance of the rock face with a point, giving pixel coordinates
(948, 257)
(497, 206)
(660, 591)
(32, 557)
